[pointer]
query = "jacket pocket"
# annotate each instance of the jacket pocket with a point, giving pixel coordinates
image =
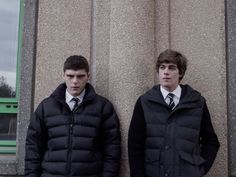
(191, 165)
(152, 162)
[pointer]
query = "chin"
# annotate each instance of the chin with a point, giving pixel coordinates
(76, 93)
(166, 85)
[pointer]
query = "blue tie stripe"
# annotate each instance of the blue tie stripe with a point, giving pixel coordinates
(76, 105)
(171, 103)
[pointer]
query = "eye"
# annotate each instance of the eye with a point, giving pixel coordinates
(70, 76)
(162, 67)
(80, 76)
(172, 67)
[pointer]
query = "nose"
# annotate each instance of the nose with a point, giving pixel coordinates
(74, 80)
(166, 70)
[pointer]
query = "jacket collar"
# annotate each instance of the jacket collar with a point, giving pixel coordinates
(189, 97)
(59, 93)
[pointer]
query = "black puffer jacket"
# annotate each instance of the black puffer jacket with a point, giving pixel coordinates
(60, 143)
(178, 143)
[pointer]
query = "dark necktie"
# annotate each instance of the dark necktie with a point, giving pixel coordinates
(171, 103)
(76, 105)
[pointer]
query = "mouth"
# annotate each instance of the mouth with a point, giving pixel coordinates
(74, 88)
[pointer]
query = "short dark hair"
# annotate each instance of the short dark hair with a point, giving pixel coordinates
(76, 62)
(172, 56)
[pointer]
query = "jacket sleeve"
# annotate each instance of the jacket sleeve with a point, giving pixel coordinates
(136, 142)
(208, 140)
(35, 144)
(112, 141)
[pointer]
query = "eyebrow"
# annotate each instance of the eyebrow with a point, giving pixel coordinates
(69, 75)
(168, 64)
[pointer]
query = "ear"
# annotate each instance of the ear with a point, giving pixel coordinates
(180, 77)
(88, 76)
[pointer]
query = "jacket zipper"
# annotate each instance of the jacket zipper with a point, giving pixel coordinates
(70, 144)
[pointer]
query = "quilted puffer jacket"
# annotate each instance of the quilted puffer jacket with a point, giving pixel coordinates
(61, 143)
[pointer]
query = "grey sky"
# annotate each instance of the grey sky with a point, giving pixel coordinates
(9, 17)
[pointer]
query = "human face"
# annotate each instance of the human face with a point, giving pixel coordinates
(168, 74)
(75, 80)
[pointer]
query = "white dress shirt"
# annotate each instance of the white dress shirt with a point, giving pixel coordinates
(69, 98)
(176, 92)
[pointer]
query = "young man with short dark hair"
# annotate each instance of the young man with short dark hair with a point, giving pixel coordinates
(74, 132)
(171, 133)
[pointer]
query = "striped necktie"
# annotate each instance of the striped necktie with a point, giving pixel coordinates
(171, 102)
(76, 105)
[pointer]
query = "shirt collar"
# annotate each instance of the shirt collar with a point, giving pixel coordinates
(69, 96)
(176, 92)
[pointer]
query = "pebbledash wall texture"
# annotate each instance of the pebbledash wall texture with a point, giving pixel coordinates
(122, 39)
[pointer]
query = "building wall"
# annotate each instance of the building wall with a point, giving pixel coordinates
(122, 39)
(231, 76)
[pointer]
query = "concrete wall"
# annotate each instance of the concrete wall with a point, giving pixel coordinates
(231, 55)
(64, 29)
(122, 39)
